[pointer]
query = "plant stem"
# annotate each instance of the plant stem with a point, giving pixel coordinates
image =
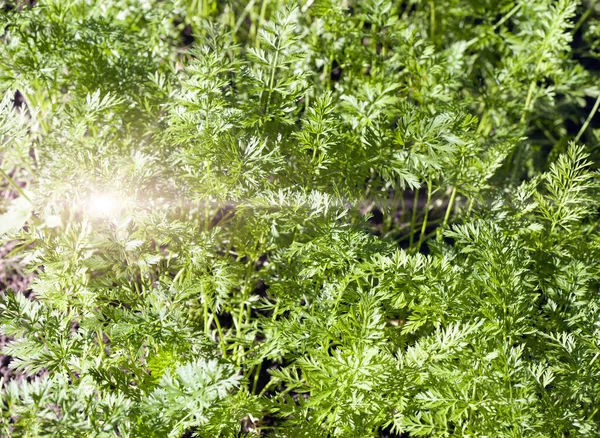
(528, 100)
(100, 342)
(471, 201)
(261, 19)
(221, 338)
(402, 208)
(583, 18)
(14, 184)
(447, 215)
(242, 17)
(206, 317)
(589, 119)
(272, 80)
(329, 71)
(429, 223)
(512, 12)
(432, 18)
(414, 219)
(256, 376)
(206, 214)
(424, 226)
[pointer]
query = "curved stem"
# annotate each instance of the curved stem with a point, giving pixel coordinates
(589, 119)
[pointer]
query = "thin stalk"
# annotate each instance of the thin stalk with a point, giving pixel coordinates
(471, 201)
(583, 19)
(424, 226)
(547, 133)
(447, 215)
(329, 71)
(242, 17)
(433, 233)
(432, 17)
(528, 102)
(221, 338)
(242, 309)
(274, 316)
(18, 248)
(402, 209)
(256, 376)
(429, 223)
(589, 119)
(245, 293)
(57, 354)
(335, 414)
(206, 214)
(414, 219)
(272, 80)
(261, 19)
(100, 342)
(529, 97)
(14, 184)
(388, 221)
(512, 12)
(515, 158)
(206, 316)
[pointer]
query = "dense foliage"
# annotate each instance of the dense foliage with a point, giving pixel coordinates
(302, 219)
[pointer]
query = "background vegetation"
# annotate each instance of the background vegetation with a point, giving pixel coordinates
(301, 218)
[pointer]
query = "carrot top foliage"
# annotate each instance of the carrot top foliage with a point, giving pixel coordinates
(301, 218)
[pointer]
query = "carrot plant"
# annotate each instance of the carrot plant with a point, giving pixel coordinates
(301, 218)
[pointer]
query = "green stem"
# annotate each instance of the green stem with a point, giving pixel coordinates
(221, 338)
(335, 413)
(329, 71)
(100, 342)
(14, 184)
(242, 309)
(402, 208)
(424, 226)
(528, 99)
(272, 80)
(261, 19)
(582, 20)
(432, 17)
(245, 293)
(206, 214)
(256, 376)
(429, 223)
(414, 219)
(589, 119)
(471, 201)
(242, 17)
(447, 215)
(512, 12)
(206, 317)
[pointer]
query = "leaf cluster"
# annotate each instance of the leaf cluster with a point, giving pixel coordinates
(301, 218)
